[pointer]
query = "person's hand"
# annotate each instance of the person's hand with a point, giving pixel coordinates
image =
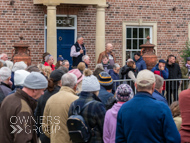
(81, 51)
(162, 68)
(189, 77)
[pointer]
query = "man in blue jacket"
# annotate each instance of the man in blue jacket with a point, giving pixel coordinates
(143, 118)
(140, 63)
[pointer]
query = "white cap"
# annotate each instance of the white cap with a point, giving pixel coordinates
(145, 75)
(19, 77)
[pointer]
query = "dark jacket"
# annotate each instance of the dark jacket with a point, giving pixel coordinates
(158, 96)
(124, 75)
(125, 70)
(93, 114)
(144, 119)
(104, 95)
(77, 60)
(114, 76)
(17, 112)
(4, 91)
(174, 73)
(140, 64)
(107, 67)
(163, 73)
(40, 110)
(12, 80)
(97, 72)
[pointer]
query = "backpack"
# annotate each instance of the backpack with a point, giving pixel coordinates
(79, 131)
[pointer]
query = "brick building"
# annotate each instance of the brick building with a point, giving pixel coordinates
(52, 25)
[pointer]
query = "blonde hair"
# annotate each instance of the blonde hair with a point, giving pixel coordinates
(41, 68)
(47, 71)
(174, 107)
(81, 66)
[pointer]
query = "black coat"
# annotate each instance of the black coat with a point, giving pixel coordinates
(174, 73)
(125, 70)
(40, 110)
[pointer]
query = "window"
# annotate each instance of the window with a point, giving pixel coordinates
(136, 36)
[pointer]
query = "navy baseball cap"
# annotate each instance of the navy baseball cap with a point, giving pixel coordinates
(162, 61)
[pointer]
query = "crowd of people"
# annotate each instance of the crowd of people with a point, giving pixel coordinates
(36, 101)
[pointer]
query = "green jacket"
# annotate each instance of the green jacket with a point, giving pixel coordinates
(185, 75)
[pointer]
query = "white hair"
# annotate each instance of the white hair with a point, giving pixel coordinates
(47, 58)
(2, 55)
(64, 61)
(69, 79)
(79, 36)
(85, 57)
(4, 64)
(9, 64)
(19, 66)
(99, 66)
(5, 73)
(116, 65)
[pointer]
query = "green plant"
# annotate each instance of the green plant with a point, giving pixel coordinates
(186, 51)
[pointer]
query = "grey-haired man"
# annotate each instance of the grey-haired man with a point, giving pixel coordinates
(77, 51)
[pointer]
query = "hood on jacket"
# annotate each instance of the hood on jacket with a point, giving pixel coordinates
(140, 59)
(115, 109)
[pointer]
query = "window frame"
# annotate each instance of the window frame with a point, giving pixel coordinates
(139, 23)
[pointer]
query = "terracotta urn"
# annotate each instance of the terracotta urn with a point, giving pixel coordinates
(148, 54)
(21, 52)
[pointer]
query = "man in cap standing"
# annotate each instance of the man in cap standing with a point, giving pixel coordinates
(143, 118)
(16, 113)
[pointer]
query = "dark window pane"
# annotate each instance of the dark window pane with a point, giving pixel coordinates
(128, 32)
(147, 32)
(134, 32)
(128, 44)
(134, 44)
(141, 32)
(140, 43)
(128, 55)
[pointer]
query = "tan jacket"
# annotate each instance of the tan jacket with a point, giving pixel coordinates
(103, 54)
(56, 114)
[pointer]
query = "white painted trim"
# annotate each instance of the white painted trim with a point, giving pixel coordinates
(139, 23)
(74, 28)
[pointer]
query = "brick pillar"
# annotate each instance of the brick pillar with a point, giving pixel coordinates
(100, 30)
(52, 31)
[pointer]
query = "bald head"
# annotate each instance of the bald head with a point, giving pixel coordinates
(109, 47)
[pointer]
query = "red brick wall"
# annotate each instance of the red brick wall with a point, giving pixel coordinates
(172, 25)
(24, 18)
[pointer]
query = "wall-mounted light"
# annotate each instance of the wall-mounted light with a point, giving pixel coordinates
(174, 8)
(108, 4)
(12, 2)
